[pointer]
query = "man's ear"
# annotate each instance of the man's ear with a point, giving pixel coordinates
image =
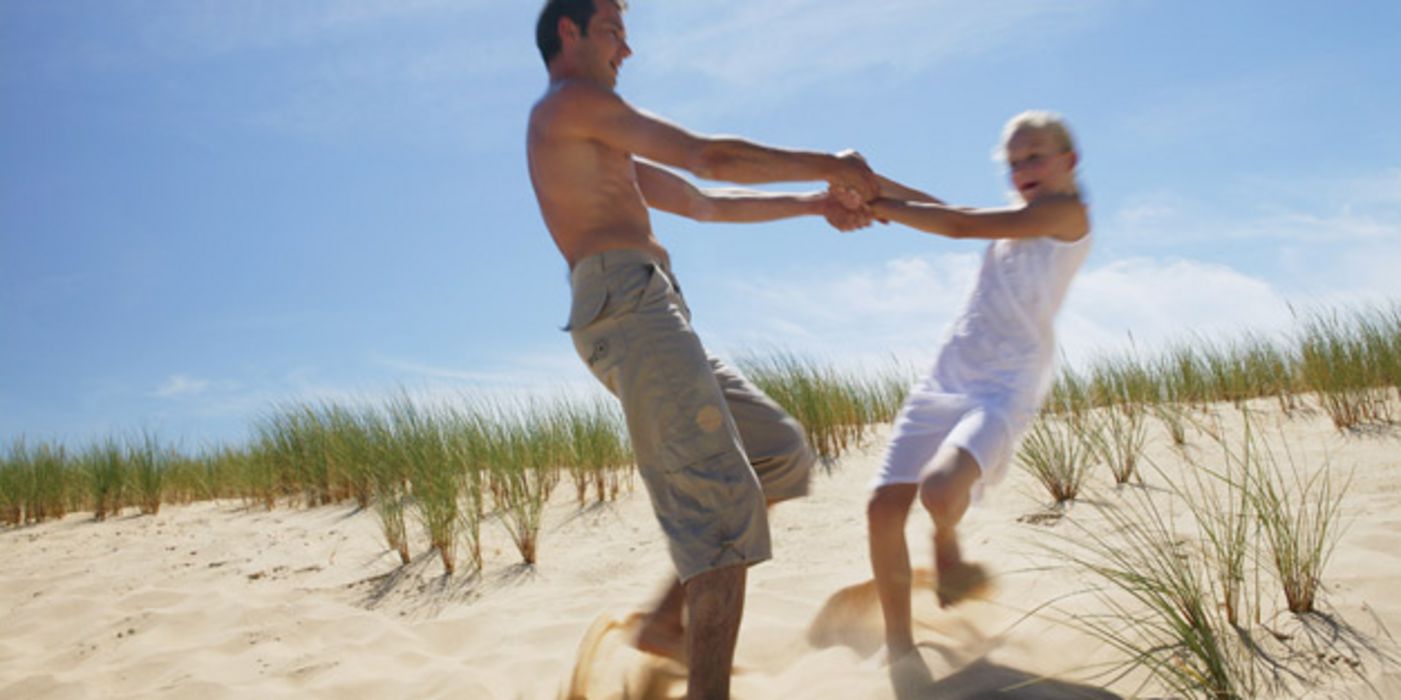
(567, 30)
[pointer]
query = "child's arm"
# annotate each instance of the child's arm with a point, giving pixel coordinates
(1057, 216)
(890, 189)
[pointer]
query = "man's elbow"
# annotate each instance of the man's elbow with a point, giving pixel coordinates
(703, 209)
(711, 160)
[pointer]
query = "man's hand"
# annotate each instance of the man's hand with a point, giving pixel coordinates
(842, 217)
(853, 181)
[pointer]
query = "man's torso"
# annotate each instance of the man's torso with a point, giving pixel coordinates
(587, 189)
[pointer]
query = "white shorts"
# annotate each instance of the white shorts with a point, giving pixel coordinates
(928, 422)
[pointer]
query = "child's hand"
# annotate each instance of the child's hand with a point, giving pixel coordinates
(845, 211)
(856, 176)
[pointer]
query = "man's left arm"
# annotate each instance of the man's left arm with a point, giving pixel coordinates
(672, 193)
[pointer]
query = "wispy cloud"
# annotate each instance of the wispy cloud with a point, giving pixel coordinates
(524, 372)
(210, 27)
(179, 386)
(780, 47)
(321, 69)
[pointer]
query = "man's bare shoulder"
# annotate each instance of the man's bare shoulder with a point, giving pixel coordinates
(570, 103)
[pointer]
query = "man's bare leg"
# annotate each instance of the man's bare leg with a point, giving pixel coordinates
(714, 605)
(945, 491)
(662, 632)
(886, 514)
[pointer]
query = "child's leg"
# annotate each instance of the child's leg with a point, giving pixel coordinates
(945, 490)
(886, 514)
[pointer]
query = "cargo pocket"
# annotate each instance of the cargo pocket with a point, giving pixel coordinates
(586, 307)
(714, 513)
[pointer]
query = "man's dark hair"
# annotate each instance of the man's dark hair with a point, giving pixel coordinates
(547, 28)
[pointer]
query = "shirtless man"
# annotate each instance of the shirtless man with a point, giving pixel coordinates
(712, 449)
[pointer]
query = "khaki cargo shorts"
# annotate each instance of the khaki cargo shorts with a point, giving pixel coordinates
(711, 448)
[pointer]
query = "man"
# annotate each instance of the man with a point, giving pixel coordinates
(711, 448)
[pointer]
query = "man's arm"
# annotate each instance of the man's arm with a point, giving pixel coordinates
(591, 112)
(672, 193)
(1061, 217)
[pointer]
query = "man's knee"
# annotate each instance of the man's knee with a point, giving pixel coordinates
(797, 453)
(786, 469)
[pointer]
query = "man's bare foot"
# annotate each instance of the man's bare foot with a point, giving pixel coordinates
(958, 581)
(660, 638)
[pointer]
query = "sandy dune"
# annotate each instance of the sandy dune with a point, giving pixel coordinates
(217, 601)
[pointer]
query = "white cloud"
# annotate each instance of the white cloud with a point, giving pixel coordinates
(900, 308)
(857, 314)
(1159, 301)
(180, 386)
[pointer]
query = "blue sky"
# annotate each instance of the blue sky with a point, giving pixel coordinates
(208, 207)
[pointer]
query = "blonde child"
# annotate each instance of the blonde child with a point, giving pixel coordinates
(957, 430)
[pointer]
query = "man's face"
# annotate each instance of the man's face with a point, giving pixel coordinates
(605, 47)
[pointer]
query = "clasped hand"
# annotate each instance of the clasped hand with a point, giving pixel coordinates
(847, 202)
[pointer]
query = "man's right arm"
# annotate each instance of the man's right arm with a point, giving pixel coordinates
(594, 113)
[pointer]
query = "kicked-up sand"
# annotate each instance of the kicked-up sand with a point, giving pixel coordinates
(216, 600)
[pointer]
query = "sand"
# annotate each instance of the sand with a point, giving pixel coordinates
(216, 600)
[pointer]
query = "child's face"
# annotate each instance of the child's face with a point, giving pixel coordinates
(1039, 165)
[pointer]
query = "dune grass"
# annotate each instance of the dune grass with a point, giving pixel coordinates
(445, 467)
(149, 463)
(523, 454)
(836, 408)
(11, 487)
(1349, 361)
(436, 468)
(105, 465)
(1057, 452)
(1119, 438)
(1159, 604)
(1220, 499)
(1301, 519)
(39, 483)
(599, 452)
(1180, 565)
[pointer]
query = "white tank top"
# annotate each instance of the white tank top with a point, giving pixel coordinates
(1002, 344)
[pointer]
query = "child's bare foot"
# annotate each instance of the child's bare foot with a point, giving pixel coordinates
(660, 637)
(898, 652)
(959, 581)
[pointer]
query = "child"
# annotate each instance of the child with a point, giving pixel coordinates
(956, 432)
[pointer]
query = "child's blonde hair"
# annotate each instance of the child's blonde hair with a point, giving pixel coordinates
(1040, 120)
